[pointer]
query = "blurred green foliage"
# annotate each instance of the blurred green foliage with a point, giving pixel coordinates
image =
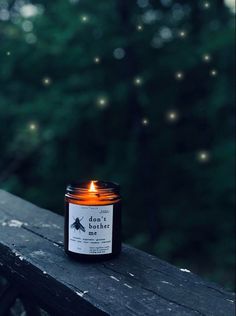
(126, 116)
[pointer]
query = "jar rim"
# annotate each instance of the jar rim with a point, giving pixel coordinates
(102, 186)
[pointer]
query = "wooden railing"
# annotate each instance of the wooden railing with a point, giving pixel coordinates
(38, 272)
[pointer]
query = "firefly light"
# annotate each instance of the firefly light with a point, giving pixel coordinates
(206, 57)
(97, 60)
(179, 75)
(145, 121)
(138, 81)
(46, 81)
(139, 27)
(206, 5)
(182, 34)
(33, 126)
(102, 102)
(213, 72)
(172, 116)
(84, 18)
(203, 156)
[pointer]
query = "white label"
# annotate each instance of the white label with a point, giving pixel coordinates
(90, 229)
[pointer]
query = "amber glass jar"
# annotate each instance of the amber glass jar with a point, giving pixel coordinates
(92, 230)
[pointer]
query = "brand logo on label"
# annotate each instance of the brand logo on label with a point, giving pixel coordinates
(77, 224)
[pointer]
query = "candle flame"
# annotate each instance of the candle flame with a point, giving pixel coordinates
(92, 187)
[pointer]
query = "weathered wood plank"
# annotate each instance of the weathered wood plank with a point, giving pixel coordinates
(136, 283)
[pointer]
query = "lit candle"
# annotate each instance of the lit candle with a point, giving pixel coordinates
(92, 220)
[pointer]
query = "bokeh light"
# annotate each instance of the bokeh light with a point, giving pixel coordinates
(119, 53)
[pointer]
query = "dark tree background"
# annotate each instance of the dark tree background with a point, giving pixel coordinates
(140, 93)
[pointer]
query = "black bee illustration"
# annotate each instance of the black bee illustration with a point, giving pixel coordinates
(77, 224)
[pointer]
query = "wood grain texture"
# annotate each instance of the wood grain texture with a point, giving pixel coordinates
(135, 283)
